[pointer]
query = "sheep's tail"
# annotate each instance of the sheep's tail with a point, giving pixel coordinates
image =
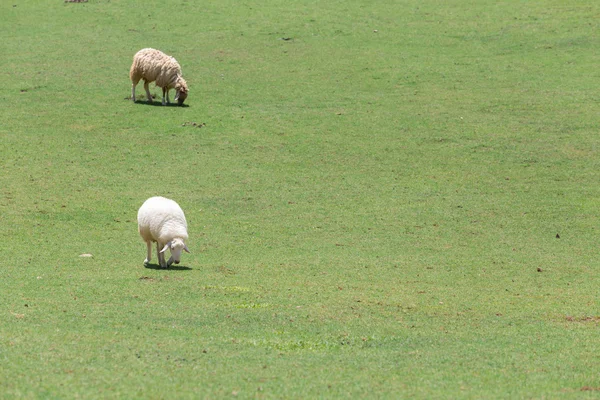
(135, 72)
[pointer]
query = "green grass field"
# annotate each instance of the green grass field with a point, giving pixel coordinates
(385, 199)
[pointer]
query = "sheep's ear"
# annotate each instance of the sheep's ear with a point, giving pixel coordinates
(185, 248)
(177, 95)
(166, 247)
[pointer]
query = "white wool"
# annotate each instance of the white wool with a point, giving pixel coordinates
(162, 221)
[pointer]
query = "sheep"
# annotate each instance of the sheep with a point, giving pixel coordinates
(161, 220)
(155, 66)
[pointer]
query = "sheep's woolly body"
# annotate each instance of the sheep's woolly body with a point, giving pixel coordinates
(161, 220)
(155, 66)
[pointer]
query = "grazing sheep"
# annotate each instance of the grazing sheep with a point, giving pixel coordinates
(162, 221)
(155, 66)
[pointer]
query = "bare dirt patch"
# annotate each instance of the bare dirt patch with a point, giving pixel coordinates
(194, 124)
(582, 319)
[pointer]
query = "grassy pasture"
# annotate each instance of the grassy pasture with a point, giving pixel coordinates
(387, 200)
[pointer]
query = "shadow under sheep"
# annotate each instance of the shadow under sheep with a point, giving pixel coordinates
(171, 268)
(141, 100)
(158, 103)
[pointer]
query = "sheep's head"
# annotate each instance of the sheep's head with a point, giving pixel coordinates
(181, 90)
(175, 245)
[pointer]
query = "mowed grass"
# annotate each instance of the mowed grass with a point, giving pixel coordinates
(384, 200)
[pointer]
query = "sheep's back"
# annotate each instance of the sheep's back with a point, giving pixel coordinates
(155, 66)
(161, 219)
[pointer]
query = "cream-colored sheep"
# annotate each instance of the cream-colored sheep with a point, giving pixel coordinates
(155, 66)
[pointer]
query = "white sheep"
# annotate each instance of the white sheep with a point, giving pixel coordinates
(155, 66)
(162, 221)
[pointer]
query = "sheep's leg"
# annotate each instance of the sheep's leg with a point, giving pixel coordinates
(158, 254)
(133, 91)
(149, 254)
(161, 256)
(163, 99)
(146, 83)
(168, 100)
(170, 261)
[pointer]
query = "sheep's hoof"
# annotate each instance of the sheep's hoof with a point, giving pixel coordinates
(146, 263)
